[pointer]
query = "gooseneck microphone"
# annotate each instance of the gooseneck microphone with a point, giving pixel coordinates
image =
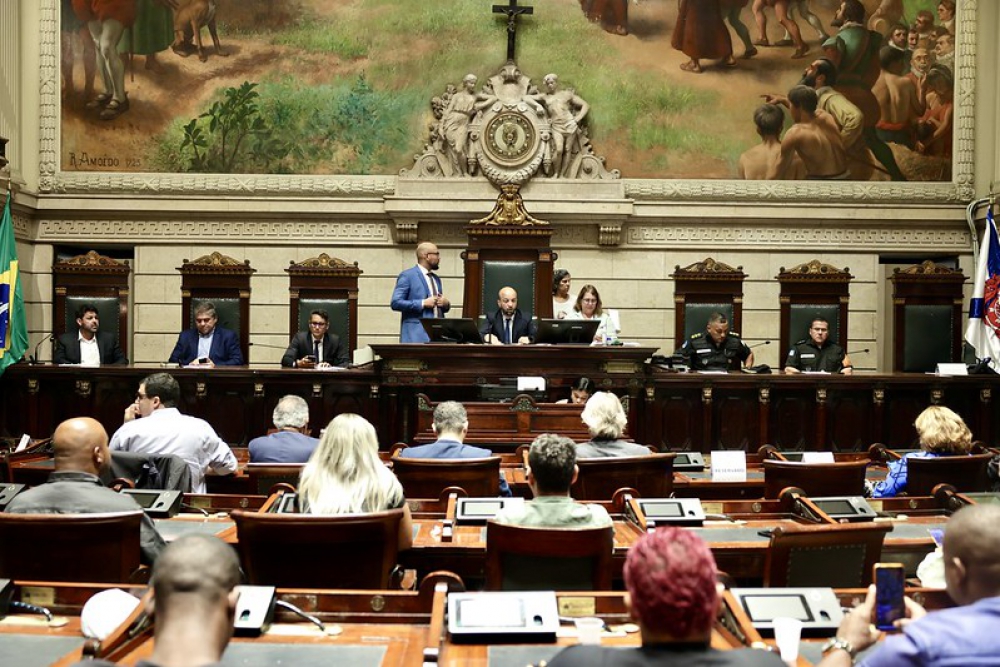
(756, 345)
(33, 359)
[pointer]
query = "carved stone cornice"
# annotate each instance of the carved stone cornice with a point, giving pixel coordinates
(216, 263)
(708, 269)
(218, 231)
(815, 271)
(324, 265)
(93, 262)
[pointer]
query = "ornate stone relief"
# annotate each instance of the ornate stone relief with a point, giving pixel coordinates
(761, 236)
(219, 230)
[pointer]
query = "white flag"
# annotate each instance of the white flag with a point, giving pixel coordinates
(983, 332)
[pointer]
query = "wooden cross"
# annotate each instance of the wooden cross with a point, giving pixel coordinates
(512, 10)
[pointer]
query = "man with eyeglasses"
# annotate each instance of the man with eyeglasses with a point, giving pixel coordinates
(154, 425)
(817, 354)
(418, 294)
(316, 348)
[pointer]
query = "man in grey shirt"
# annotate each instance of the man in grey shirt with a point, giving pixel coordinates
(81, 453)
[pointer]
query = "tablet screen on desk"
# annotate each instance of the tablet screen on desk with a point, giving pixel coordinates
(491, 613)
(481, 508)
(662, 510)
(764, 608)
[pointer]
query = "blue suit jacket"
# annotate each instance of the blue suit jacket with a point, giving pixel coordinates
(452, 449)
(225, 348)
(282, 447)
(410, 291)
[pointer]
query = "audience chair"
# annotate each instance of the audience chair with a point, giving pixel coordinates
(650, 476)
(264, 476)
(99, 548)
(562, 559)
(815, 479)
(837, 555)
(309, 551)
(965, 473)
(152, 471)
(427, 478)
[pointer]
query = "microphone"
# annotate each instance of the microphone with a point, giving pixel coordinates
(756, 345)
(33, 359)
(269, 347)
(864, 351)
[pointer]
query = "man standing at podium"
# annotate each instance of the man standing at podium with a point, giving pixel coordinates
(418, 294)
(508, 325)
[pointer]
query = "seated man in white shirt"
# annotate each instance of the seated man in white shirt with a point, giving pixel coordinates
(153, 425)
(87, 346)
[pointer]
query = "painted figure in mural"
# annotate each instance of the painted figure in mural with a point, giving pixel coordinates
(152, 32)
(935, 128)
(455, 125)
(566, 112)
(700, 33)
(814, 137)
(73, 29)
(107, 21)
(885, 16)
(900, 101)
(731, 10)
(854, 50)
(781, 9)
(617, 10)
(764, 158)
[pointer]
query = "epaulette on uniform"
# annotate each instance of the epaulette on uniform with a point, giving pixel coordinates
(697, 335)
(801, 342)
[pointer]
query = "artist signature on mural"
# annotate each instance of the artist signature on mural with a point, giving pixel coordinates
(85, 160)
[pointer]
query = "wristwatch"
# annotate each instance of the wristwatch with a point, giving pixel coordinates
(838, 643)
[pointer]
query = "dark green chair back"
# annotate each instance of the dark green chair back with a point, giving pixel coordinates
(338, 310)
(499, 274)
(696, 317)
(928, 337)
(801, 316)
(226, 309)
(107, 311)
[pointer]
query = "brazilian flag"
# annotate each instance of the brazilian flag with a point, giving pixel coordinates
(13, 327)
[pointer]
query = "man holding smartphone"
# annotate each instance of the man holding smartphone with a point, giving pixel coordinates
(963, 635)
(207, 344)
(316, 348)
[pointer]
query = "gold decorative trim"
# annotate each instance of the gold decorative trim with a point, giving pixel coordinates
(323, 265)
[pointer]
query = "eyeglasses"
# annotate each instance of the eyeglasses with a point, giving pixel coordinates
(139, 396)
(317, 324)
(589, 300)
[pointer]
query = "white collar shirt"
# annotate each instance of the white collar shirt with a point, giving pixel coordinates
(90, 355)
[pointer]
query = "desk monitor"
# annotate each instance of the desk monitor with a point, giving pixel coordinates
(486, 618)
(689, 461)
(566, 332)
(850, 508)
(481, 510)
(817, 608)
(455, 330)
(672, 511)
(155, 502)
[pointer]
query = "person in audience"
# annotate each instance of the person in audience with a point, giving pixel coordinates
(817, 353)
(80, 448)
(562, 303)
(715, 348)
(88, 346)
(345, 476)
(316, 348)
(605, 418)
(292, 442)
(207, 344)
(508, 325)
(551, 472)
(673, 596)
(941, 433)
(154, 425)
(580, 392)
(418, 294)
(962, 635)
(451, 425)
(589, 307)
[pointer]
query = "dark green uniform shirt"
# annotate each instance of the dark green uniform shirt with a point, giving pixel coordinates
(805, 355)
(702, 354)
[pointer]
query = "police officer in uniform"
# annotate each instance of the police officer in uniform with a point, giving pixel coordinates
(816, 354)
(716, 348)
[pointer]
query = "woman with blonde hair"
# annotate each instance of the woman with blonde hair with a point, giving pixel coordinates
(344, 475)
(942, 433)
(605, 419)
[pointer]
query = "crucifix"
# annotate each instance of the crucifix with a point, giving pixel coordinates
(512, 10)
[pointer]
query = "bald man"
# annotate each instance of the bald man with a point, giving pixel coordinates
(508, 325)
(962, 635)
(419, 294)
(81, 454)
(194, 601)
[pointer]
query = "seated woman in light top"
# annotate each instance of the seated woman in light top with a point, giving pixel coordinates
(941, 433)
(605, 419)
(344, 475)
(562, 302)
(588, 307)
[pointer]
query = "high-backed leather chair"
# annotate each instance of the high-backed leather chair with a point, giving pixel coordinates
(329, 284)
(651, 476)
(812, 290)
(965, 473)
(427, 478)
(307, 551)
(92, 278)
(927, 317)
(815, 479)
(101, 548)
(499, 256)
(837, 555)
(562, 559)
(226, 283)
(701, 289)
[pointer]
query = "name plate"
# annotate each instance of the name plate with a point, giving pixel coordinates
(729, 466)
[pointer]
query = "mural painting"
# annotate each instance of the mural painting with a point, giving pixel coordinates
(665, 89)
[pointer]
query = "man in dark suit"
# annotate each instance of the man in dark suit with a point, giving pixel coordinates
(88, 346)
(418, 294)
(316, 348)
(508, 325)
(207, 344)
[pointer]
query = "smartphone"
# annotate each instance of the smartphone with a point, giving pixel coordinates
(202, 360)
(311, 357)
(890, 582)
